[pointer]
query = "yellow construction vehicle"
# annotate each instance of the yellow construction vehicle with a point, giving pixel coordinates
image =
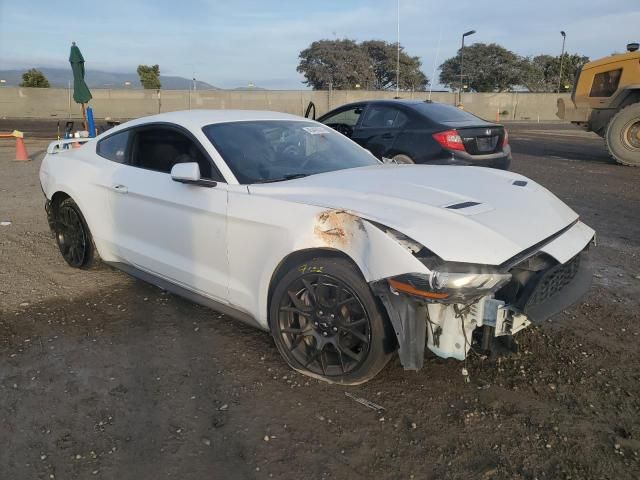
(606, 100)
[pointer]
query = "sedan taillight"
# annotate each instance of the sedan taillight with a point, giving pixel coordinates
(505, 140)
(450, 140)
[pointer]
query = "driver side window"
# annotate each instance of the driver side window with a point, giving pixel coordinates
(159, 148)
(347, 117)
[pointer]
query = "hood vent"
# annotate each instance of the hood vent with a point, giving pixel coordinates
(459, 206)
(520, 183)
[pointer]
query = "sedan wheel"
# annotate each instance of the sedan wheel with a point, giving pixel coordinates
(403, 159)
(327, 324)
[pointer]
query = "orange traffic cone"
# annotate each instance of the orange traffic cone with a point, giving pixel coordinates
(21, 150)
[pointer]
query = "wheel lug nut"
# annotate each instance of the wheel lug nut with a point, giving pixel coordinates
(333, 316)
(335, 329)
(320, 312)
(315, 323)
(324, 334)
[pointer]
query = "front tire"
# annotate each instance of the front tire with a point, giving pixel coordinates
(327, 324)
(73, 236)
(623, 136)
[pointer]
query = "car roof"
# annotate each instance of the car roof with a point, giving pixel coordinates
(402, 101)
(196, 119)
(398, 101)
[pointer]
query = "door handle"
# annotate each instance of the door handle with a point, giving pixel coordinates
(388, 135)
(120, 188)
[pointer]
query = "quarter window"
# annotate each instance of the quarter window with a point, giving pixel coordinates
(114, 147)
(606, 83)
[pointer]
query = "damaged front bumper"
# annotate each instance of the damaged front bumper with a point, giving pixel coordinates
(486, 323)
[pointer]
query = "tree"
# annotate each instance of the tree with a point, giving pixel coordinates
(487, 68)
(149, 76)
(383, 60)
(339, 63)
(344, 64)
(34, 78)
(542, 72)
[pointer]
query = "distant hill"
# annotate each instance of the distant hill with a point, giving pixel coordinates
(249, 87)
(59, 77)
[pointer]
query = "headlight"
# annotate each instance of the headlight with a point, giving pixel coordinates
(448, 282)
(449, 287)
(475, 281)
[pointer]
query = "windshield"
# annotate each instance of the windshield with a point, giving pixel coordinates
(273, 150)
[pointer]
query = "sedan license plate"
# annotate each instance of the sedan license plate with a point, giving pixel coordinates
(485, 144)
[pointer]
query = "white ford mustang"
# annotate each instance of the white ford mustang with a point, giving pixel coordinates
(288, 225)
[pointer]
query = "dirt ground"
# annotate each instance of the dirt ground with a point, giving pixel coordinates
(104, 376)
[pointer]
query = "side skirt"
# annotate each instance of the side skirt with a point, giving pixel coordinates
(188, 294)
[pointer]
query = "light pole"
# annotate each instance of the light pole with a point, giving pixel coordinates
(564, 37)
(398, 55)
(465, 34)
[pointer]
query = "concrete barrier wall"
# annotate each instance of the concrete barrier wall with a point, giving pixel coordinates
(125, 104)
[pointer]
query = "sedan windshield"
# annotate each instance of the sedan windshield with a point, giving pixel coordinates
(274, 150)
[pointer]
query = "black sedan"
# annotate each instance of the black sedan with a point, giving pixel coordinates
(414, 131)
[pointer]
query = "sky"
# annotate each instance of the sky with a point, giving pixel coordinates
(230, 44)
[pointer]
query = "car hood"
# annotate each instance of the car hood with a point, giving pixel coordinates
(462, 214)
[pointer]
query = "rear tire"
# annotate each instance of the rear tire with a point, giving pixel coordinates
(327, 324)
(403, 159)
(73, 236)
(623, 136)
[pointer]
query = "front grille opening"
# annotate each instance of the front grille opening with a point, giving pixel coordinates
(523, 276)
(553, 281)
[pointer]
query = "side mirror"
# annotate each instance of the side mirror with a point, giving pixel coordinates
(189, 173)
(186, 172)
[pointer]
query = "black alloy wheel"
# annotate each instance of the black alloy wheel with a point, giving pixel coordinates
(327, 324)
(72, 235)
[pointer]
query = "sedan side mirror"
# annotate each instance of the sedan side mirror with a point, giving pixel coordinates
(189, 173)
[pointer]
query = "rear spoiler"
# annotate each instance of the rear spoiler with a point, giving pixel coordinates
(57, 146)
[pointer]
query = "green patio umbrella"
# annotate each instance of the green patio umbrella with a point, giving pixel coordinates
(81, 93)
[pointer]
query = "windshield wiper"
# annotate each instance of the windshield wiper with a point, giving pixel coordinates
(283, 178)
